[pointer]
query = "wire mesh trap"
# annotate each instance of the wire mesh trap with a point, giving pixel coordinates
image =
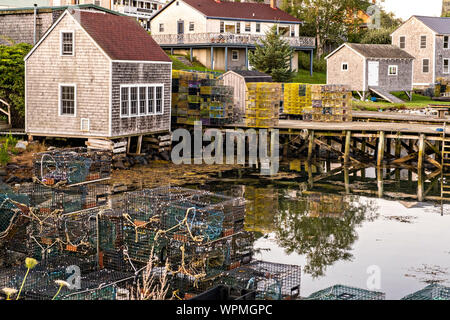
(270, 281)
(431, 292)
(42, 277)
(71, 166)
(340, 292)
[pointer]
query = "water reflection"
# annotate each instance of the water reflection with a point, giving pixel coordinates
(319, 226)
(336, 222)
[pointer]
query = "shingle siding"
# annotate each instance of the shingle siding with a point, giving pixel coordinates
(88, 69)
(140, 73)
(401, 82)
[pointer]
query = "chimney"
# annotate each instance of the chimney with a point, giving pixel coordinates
(273, 4)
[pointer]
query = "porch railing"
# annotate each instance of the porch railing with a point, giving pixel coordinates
(226, 38)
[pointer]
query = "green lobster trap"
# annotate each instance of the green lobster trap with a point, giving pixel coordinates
(340, 292)
(431, 292)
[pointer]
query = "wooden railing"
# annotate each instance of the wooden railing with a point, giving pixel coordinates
(226, 38)
(7, 112)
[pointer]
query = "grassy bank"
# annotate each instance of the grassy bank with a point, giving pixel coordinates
(303, 76)
(178, 65)
(418, 101)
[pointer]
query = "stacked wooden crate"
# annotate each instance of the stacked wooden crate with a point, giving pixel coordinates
(330, 103)
(263, 104)
(198, 96)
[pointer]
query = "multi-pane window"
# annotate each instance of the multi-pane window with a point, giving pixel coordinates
(402, 42)
(423, 42)
(344, 66)
(393, 70)
(425, 65)
(292, 31)
(222, 27)
(124, 101)
(235, 55)
(446, 66)
(133, 101)
(158, 99)
(248, 27)
(191, 26)
(67, 100)
(141, 100)
(238, 27)
(258, 27)
(446, 42)
(151, 100)
(67, 43)
(161, 27)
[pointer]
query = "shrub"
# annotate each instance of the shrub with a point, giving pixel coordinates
(319, 64)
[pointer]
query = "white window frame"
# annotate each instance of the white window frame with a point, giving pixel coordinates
(60, 85)
(448, 42)
(192, 24)
(161, 27)
(423, 60)
(400, 42)
(139, 113)
(88, 125)
(448, 66)
(61, 43)
(249, 24)
(232, 55)
(342, 66)
(420, 41)
(396, 70)
(256, 27)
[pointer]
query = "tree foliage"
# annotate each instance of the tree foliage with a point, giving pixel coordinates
(273, 56)
(12, 79)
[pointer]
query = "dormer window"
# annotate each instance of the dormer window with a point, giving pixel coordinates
(67, 45)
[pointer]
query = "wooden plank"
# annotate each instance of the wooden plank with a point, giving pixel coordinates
(420, 156)
(405, 158)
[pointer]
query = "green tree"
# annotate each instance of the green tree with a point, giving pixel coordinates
(329, 21)
(12, 79)
(273, 56)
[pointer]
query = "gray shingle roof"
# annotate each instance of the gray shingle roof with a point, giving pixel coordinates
(438, 24)
(380, 51)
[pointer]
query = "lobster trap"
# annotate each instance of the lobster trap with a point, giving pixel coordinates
(267, 280)
(431, 292)
(72, 166)
(40, 281)
(68, 234)
(340, 292)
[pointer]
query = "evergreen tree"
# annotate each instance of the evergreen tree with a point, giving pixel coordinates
(273, 57)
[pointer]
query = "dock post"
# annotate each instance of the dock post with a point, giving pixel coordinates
(421, 149)
(398, 148)
(380, 181)
(347, 146)
(380, 153)
(310, 145)
(346, 180)
(419, 186)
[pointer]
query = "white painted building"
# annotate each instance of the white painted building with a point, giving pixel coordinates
(220, 34)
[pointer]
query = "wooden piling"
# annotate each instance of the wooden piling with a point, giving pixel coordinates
(347, 147)
(310, 145)
(380, 153)
(420, 155)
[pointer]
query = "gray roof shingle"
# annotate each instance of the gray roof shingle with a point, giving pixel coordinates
(380, 51)
(438, 24)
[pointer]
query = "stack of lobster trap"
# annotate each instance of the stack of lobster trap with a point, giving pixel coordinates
(199, 96)
(330, 103)
(263, 104)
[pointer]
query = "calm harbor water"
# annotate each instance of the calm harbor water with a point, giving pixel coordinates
(357, 227)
